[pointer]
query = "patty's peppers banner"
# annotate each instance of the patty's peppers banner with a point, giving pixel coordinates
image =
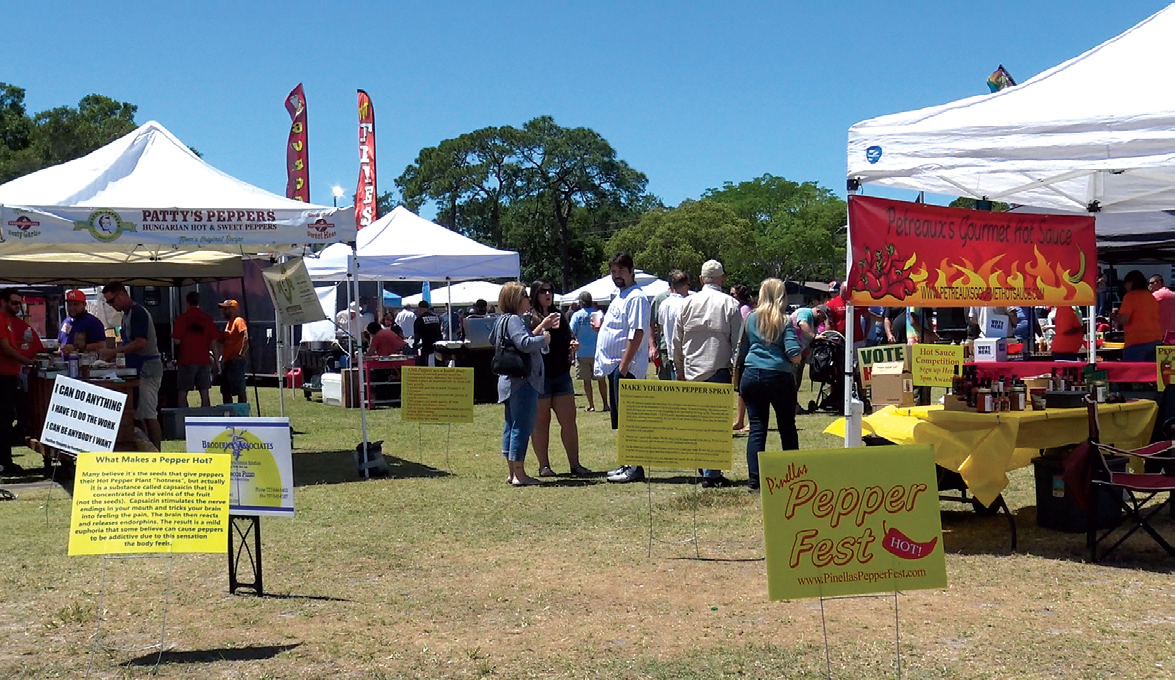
(297, 153)
(917, 255)
(366, 197)
(851, 521)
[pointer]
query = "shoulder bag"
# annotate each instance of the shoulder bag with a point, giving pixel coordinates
(508, 360)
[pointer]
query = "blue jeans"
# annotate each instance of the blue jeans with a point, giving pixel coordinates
(763, 390)
(1142, 351)
(521, 408)
(722, 376)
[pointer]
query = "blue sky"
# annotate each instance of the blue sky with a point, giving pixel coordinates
(693, 94)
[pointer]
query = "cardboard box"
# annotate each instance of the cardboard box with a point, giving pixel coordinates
(991, 349)
(893, 385)
(953, 403)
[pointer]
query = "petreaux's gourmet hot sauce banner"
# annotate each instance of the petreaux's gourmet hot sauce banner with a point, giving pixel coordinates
(918, 255)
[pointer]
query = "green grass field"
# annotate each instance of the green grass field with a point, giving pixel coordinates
(445, 571)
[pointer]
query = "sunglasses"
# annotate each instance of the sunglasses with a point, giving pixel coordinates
(546, 290)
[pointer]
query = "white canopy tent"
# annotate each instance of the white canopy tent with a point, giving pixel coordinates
(402, 246)
(146, 209)
(1094, 134)
(461, 294)
(604, 290)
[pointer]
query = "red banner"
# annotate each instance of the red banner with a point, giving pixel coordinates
(297, 153)
(366, 197)
(917, 255)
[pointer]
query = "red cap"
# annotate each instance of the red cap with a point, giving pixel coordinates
(75, 295)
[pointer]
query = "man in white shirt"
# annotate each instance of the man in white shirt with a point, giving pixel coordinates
(705, 339)
(667, 314)
(405, 320)
(621, 347)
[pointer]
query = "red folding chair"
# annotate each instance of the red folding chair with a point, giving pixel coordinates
(1088, 473)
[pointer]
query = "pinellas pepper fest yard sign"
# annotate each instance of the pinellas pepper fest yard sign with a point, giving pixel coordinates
(918, 255)
(851, 521)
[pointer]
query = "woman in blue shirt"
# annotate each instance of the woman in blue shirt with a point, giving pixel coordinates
(767, 354)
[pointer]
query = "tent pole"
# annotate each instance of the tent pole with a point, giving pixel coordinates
(245, 314)
(353, 274)
(449, 306)
(281, 376)
(853, 409)
(1091, 329)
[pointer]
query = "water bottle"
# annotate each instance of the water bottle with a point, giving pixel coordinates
(74, 366)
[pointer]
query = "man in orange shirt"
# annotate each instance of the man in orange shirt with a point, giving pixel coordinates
(18, 345)
(195, 331)
(233, 354)
(1068, 335)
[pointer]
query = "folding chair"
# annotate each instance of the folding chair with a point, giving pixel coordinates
(1090, 472)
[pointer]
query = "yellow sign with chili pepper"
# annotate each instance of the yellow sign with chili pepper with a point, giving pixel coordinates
(851, 521)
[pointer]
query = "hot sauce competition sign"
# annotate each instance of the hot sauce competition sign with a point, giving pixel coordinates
(851, 521)
(913, 254)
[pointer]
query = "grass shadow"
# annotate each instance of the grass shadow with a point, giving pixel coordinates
(291, 596)
(252, 653)
(338, 467)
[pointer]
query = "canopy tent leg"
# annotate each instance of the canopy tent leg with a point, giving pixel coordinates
(853, 408)
(365, 461)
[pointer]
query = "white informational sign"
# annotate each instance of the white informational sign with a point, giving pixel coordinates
(997, 326)
(292, 292)
(82, 417)
(262, 478)
(174, 228)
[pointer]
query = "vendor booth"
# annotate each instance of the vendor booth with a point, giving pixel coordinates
(1048, 142)
(402, 246)
(146, 210)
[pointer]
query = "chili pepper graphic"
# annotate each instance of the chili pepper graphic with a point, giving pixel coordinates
(905, 547)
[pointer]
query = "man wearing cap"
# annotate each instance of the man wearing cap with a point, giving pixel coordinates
(426, 330)
(81, 331)
(349, 325)
(142, 352)
(195, 331)
(705, 339)
(233, 353)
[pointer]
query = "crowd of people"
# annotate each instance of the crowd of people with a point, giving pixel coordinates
(713, 335)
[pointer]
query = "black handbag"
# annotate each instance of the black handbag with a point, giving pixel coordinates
(508, 360)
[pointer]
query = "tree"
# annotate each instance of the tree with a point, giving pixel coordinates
(798, 228)
(685, 237)
(28, 144)
(544, 190)
(970, 203)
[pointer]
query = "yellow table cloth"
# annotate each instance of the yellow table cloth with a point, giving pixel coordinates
(984, 447)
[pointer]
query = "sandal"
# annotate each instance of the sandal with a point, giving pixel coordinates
(580, 471)
(546, 471)
(590, 408)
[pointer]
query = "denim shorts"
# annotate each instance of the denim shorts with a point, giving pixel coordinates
(557, 386)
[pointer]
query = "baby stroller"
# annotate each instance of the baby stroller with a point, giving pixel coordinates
(826, 365)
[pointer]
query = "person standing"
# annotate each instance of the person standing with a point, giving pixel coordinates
(406, 320)
(585, 351)
(81, 331)
(1139, 317)
(142, 352)
(519, 395)
(558, 393)
(667, 314)
(195, 332)
(1166, 298)
(234, 354)
(767, 353)
(704, 340)
(743, 295)
(19, 343)
(622, 347)
(426, 330)
(1068, 335)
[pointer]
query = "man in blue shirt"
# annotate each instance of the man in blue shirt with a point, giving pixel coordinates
(81, 331)
(585, 339)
